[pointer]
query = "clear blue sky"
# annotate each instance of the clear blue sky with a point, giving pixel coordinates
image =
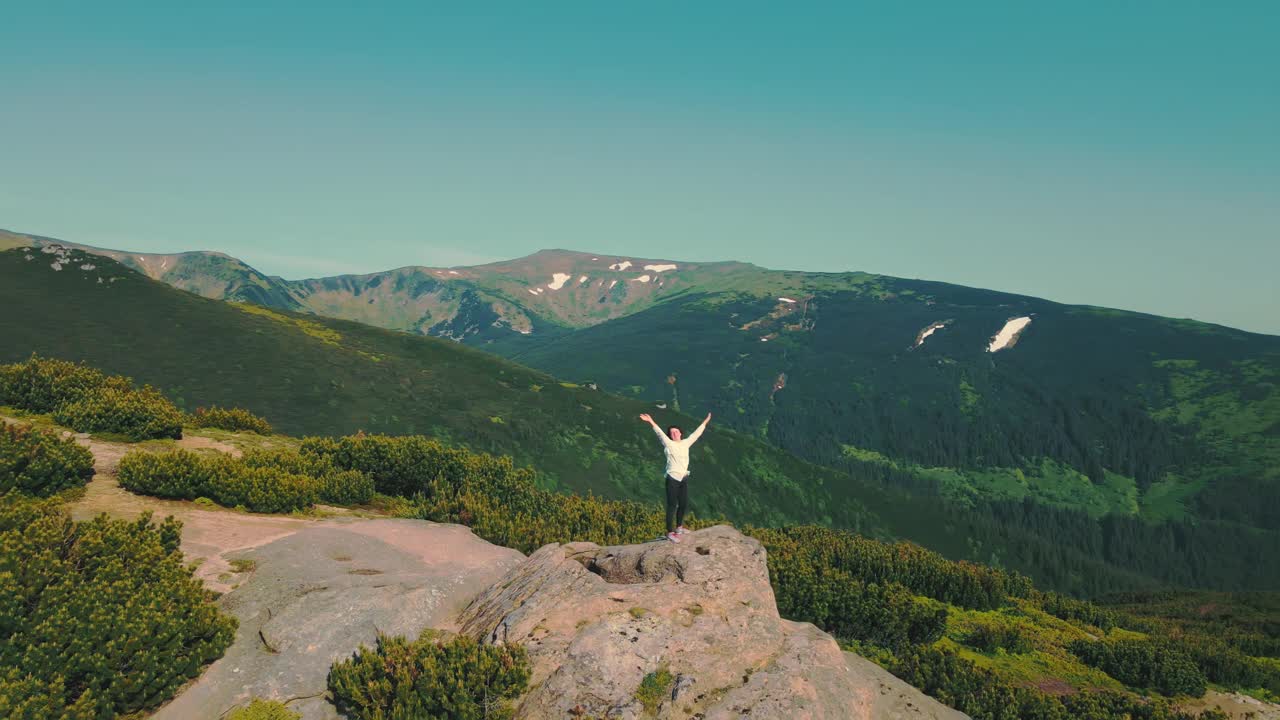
(1114, 153)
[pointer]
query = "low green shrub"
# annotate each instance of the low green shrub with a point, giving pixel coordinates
(455, 680)
(39, 462)
(345, 487)
(408, 465)
(137, 414)
(97, 618)
(982, 695)
(1069, 608)
(923, 572)
(990, 636)
(818, 576)
(1158, 665)
(42, 385)
(265, 490)
(499, 501)
(654, 688)
(335, 485)
(263, 710)
(185, 475)
(232, 419)
(176, 475)
(88, 400)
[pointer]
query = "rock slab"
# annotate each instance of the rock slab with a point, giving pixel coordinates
(316, 594)
(597, 620)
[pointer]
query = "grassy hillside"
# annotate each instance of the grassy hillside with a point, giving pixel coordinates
(314, 376)
(310, 375)
(1092, 410)
(1127, 432)
(1105, 411)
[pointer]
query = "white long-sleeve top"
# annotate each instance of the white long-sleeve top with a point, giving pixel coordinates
(677, 451)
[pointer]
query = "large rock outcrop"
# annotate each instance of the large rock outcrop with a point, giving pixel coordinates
(322, 590)
(597, 620)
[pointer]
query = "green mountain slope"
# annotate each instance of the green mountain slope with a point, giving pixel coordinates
(1098, 410)
(1091, 409)
(1155, 442)
(325, 376)
(209, 274)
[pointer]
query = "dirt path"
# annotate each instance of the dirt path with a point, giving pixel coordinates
(208, 535)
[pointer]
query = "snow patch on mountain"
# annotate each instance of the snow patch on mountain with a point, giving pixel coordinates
(920, 337)
(660, 268)
(558, 280)
(620, 265)
(1008, 334)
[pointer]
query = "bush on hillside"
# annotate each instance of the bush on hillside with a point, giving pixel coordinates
(810, 588)
(459, 679)
(990, 635)
(176, 475)
(982, 695)
(79, 602)
(232, 419)
(39, 462)
(922, 571)
(1161, 666)
(137, 414)
(42, 385)
(333, 484)
(89, 400)
(1069, 608)
(1227, 665)
(264, 490)
(185, 475)
(411, 464)
(345, 487)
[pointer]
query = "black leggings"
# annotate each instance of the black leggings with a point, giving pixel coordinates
(677, 501)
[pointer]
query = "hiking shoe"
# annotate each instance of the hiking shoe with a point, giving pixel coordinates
(682, 530)
(673, 537)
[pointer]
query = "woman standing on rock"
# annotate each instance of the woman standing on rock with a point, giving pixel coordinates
(677, 451)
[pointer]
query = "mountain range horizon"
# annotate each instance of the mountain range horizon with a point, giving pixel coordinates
(551, 252)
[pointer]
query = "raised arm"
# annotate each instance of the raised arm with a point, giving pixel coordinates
(693, 436)
(657, 430)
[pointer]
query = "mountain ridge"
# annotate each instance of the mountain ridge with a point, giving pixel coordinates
(1087, 409)
(559, 253)
(314, 375)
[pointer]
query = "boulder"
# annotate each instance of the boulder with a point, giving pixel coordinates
(697, 619)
